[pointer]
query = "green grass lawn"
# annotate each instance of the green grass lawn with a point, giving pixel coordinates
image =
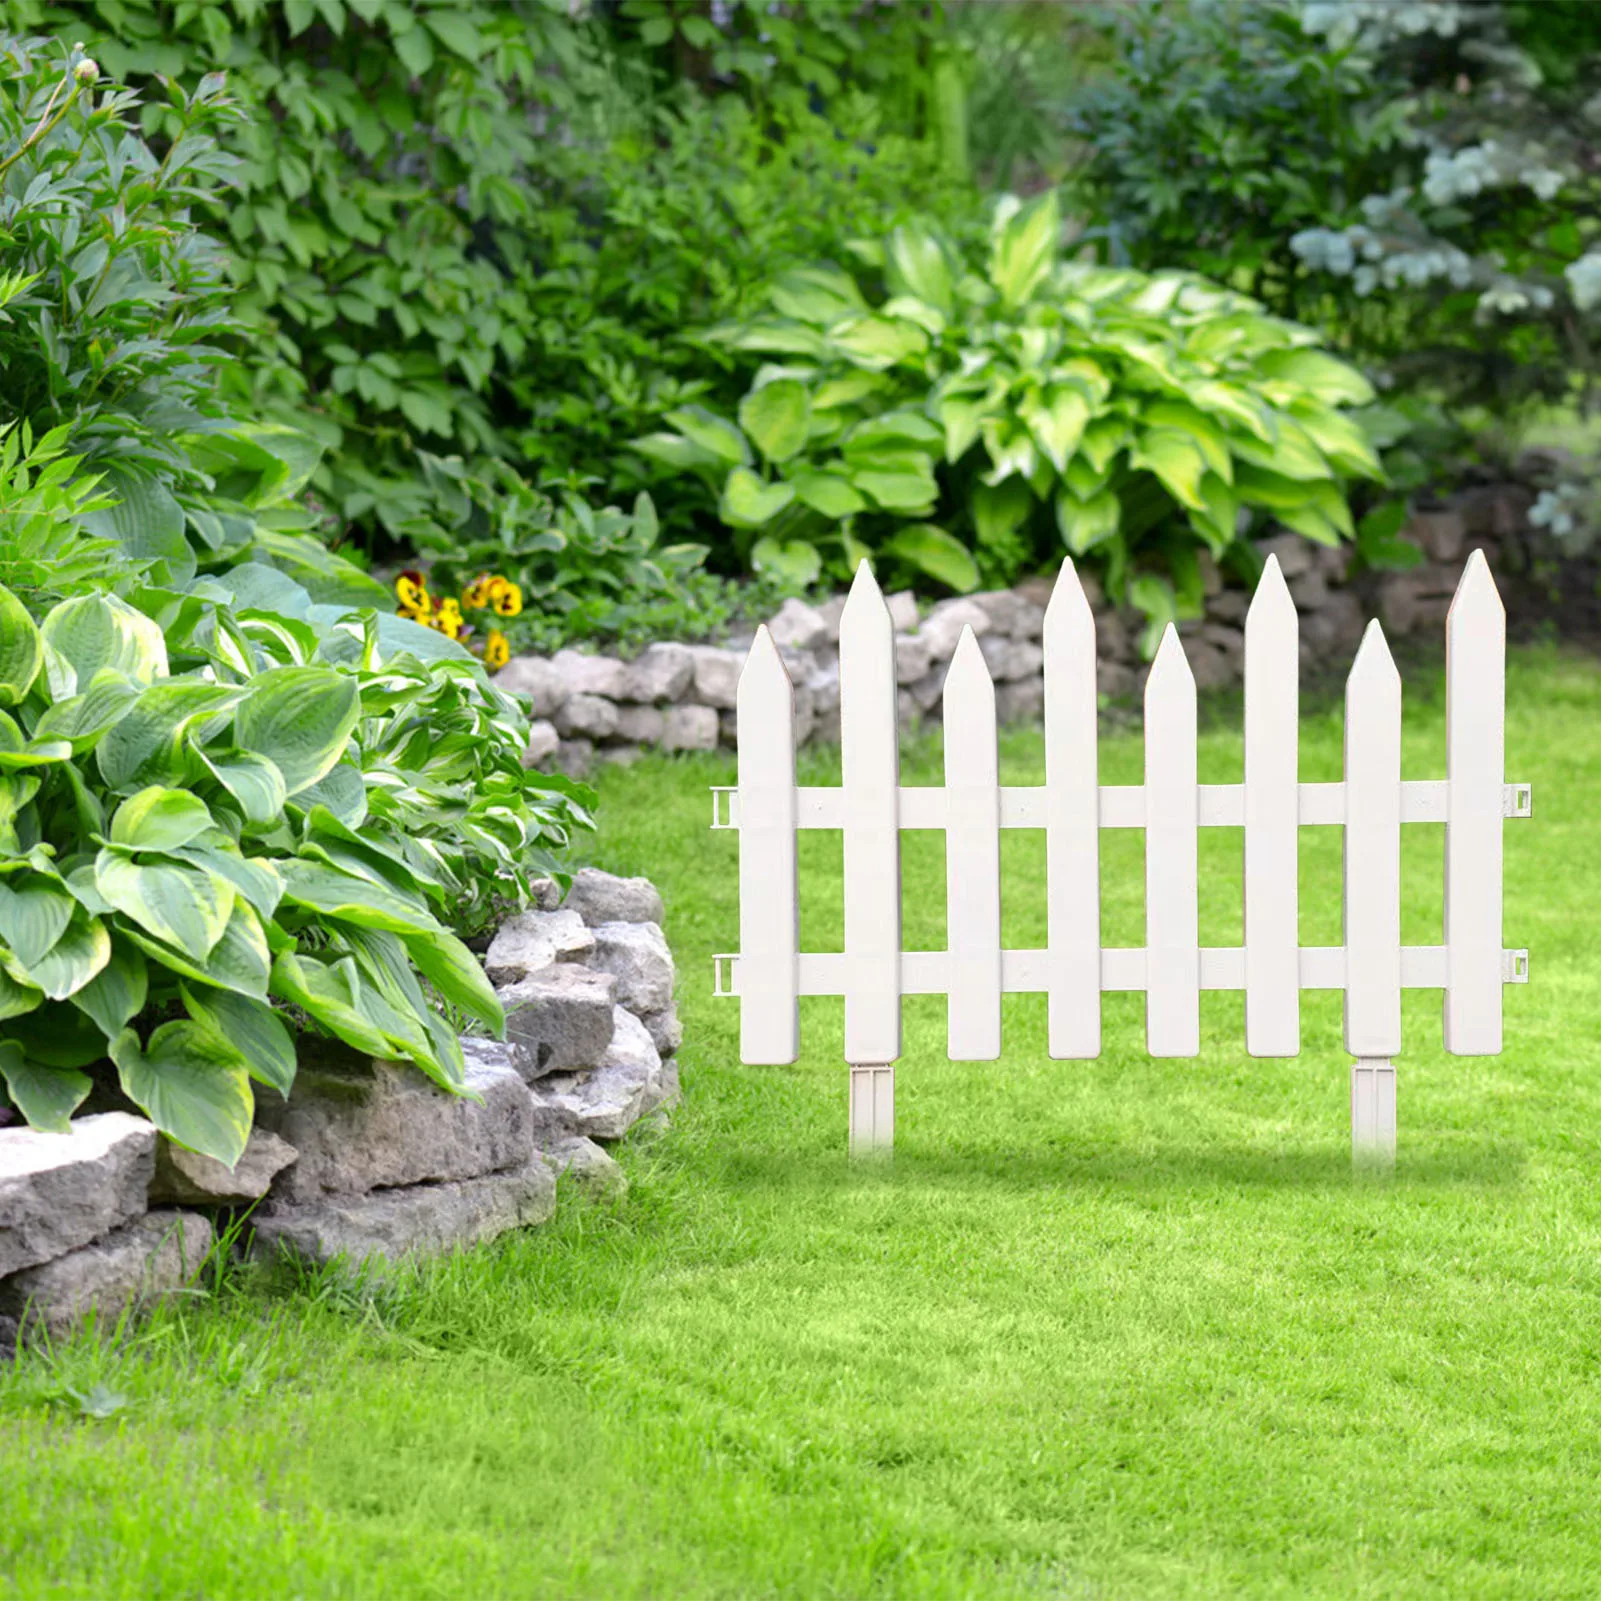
(1125, 1328)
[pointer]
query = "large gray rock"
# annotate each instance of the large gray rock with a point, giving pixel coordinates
(913, 658)
(717, 673)
(689, 727)
(586, 715)
(1010, 659)
(559, 1020)
(531, 941)
(1020, 701)
(542, 742)
(189, 1179)
(600, 897)
(128, 1267)
(603, 676)
(902, 607)
(587, 1165)
(538, 680)
(636, 955)
(665, 1030)
(798, 626)
(943, 626)
(420, 1220)
(641, 724)
(606, 1103)
(660, 672)
(59, 1191)
(362, 1125)
(574, 757)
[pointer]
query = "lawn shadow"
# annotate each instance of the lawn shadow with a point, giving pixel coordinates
(1475, 1164)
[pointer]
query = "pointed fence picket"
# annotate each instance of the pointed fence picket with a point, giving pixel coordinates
(1272, 967)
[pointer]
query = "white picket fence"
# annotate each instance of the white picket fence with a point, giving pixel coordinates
(871, 806)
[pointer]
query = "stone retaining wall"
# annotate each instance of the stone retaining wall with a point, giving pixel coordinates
(369, 1159)
(681, 697)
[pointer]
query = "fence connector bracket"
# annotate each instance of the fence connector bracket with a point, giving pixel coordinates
(1515, 967)
(722, 978)
(1373, 1112)
(724, 811)
(1517, 800)
(872, 1109)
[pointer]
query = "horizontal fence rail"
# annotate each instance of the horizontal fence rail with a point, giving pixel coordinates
(871, 809)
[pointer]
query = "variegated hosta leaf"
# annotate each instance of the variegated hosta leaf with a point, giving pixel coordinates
(97, 633)
(251, 1025)
(300, 719)
(184, 906)
(46, 1096)
(192, 1083)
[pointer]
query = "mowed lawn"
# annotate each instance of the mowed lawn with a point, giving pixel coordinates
(1125, 1328)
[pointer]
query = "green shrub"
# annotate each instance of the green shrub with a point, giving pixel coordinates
(966, 418)
(204, 809)
(605, 576)
(478, 229)
(111, 305)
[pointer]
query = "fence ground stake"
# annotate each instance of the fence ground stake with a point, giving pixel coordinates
(872, 1109)
(1373, 1112)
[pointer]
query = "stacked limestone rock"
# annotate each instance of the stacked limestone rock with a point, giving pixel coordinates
(681, 697)
(369, 1159)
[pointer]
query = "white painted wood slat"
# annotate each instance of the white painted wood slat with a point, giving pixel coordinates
(1072, 822)
(769, 905)
(1172, 995)
(972, 858)
(1272, 819)
(870, 773)
(1475, 756)
(1373, 851)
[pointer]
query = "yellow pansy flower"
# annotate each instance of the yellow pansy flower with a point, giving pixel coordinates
(497, 650)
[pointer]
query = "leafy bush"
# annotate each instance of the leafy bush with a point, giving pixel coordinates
(604, 576)
(478, 229)
(204, 809)
(1280, 132)
(109, 305)
(965, 418)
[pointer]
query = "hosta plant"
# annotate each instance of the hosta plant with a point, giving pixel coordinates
(968, 419)
(221, 823)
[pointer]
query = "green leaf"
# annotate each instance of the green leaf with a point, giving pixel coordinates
(1085, 524)
(1339, 439)
(915, 263)
(331, 994)
(117, 993)
(1196, 425)
(46, 1096)
(793, 560)
(147, 745)
(455, 32)
(239, 961)
(1216, 522)
(80, 720)
(908, 490)
(458, 975)
(18, 997)
(21, 650)
(817, 295)
(92, 633)
(1057, 421)
(826, 492)
(749, 502)
(941, 555)
(33, 915)
(354, 900)
(1023, 246)
(74, 959)
(57, 1034)
(182, 906)
(148, 523)
(192, 1084)
(776, 417)
(254, 781)
(876, 342)
(158, 819)
(673, 450)
(712, 433)
(1323, 376)
(1103, 439)
(999, 510)
(1176, 460)
(300, 719)
(1291, 455)
(253, 1027)
(1153, 595)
